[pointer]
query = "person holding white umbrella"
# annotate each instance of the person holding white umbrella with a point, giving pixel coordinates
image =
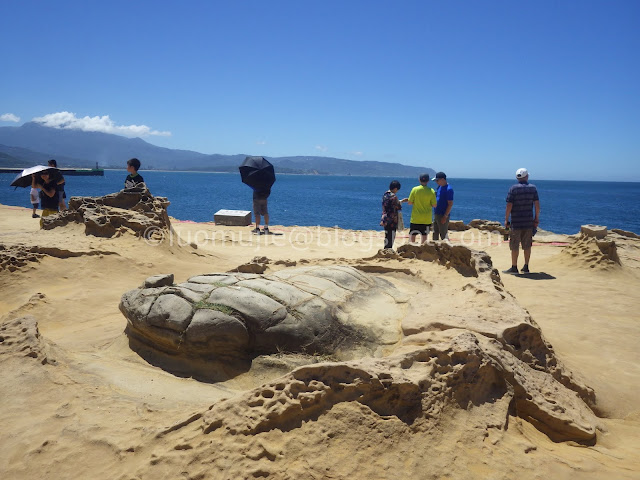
(48, 193)
(41, 178)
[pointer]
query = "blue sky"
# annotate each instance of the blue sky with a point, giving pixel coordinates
(473, 88)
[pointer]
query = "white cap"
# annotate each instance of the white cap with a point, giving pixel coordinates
(521, 173)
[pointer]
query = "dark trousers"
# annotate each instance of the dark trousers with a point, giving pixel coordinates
(440, 230)
(389, 237)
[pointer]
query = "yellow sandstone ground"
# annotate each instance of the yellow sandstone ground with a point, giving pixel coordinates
(77, 402)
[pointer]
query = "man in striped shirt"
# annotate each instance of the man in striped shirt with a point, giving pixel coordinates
(521, 201)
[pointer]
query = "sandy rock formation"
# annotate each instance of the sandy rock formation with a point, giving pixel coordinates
(459, 369)
(160, 280)
(240, 315)
(497, 316)
(467, 262)
(592, 251)
(21, 336)
(131, 209)
(20, 256)
(458, 226)
(625, 233)
(458, 394)
(489, 225)
(594, 231)
(13, 257)
(256, 265)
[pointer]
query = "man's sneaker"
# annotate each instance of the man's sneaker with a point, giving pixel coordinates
(35, 215)
(266, 231)
(512, 270)
(525, 269)
(256, 231)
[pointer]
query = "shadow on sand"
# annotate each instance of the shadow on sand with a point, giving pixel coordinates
(536, 276)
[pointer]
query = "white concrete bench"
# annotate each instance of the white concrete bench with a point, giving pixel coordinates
(238, 218)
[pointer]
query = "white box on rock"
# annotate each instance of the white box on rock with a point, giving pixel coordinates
(238, 218)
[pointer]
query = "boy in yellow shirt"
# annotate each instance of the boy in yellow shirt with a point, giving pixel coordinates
(423, 199)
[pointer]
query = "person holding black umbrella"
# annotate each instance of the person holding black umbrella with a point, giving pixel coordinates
(49, 201)
(260, 208)
(259, 174)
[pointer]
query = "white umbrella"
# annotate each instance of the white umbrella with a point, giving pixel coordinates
(24, 179)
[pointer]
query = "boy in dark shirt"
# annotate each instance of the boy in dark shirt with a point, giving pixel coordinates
(134, 178)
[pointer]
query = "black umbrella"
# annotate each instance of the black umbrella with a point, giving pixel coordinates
(24, 179)
(258, 173)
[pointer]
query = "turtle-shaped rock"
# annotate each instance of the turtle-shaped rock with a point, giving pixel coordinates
(241, 315)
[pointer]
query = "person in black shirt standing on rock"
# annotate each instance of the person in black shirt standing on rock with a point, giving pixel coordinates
(134, 178)
(48, 193)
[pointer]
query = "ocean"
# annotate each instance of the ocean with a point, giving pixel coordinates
(354, 202)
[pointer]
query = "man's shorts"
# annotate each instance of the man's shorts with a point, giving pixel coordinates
(61, 195)
(518, 237)
(421, 228)
(260, 207)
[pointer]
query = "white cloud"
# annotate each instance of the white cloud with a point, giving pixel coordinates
(261, 142)
(321, 148)
(357, 154)
(9, 117)
(103, 124)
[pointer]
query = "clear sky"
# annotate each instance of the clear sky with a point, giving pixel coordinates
(475, 88)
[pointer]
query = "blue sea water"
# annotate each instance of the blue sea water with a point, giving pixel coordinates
(355, 202)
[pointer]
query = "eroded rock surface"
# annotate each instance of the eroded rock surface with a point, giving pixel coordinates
(594, 231)
(458, 226)
(489, 225)
(459, 369)
(625, 233)
(483, 307)
(131, 209)
(21, 336)
(485, 364)
(592, 251)
(13, 257)
(241, 315)
(19, 256)
(459, 393)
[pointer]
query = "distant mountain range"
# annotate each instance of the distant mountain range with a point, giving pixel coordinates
(33, 143)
